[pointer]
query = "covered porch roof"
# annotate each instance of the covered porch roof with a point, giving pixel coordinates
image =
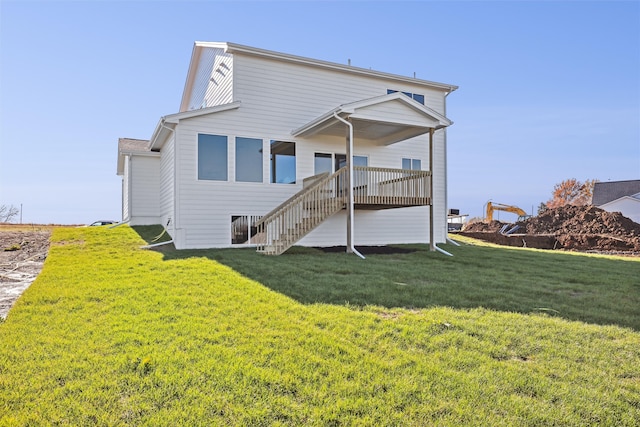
(383, 120)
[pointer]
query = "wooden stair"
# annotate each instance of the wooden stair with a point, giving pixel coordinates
(321, 197)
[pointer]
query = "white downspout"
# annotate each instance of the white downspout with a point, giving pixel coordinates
(350, 213)
(446, 181)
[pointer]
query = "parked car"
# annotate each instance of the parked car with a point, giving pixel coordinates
(103, 222)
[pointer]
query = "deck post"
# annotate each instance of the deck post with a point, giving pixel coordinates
(350, 190)
(432, 244)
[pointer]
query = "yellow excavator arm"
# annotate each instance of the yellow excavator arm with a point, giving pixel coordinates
(522, 215)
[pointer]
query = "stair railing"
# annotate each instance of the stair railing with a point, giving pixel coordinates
(322, 196)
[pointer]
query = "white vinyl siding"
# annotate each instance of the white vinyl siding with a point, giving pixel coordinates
(220, 88)
(145, 189)
(213, 84)
(290, 95)
(207, 206)
(126, 195)
(276, 98)
(167, 183)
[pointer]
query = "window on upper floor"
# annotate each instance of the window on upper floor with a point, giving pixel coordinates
(411, 164)
(283, 162)
(212, 157)
(415, 96)
(248, 160)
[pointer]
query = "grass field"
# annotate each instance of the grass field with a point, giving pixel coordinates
(110, 334)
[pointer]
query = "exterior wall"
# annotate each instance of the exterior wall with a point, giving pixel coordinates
(167, 185)
(220, 87)
(145, 200)
(373, 228)
(627, 206)
(276, 98)
(126, 183)
(279, 97)
(213, 82)
(289, 95)
(205, 207)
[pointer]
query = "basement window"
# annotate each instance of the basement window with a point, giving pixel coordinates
(244, 230)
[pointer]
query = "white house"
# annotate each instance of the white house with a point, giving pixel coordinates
(265, 145)
(618, 196)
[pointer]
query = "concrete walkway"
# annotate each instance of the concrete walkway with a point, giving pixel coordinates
(15, 281)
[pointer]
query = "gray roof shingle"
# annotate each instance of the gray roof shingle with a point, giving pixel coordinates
(605, 192)
(132, 145)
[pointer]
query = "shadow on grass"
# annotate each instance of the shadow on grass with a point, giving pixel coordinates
(590, 289)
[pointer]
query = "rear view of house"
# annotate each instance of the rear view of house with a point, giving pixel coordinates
(271, 150)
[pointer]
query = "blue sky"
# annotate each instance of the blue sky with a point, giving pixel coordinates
(548, 90)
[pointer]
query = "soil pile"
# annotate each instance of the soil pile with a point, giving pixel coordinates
(584, 228)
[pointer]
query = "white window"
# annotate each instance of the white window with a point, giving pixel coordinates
(283, 162)
(248, 160)
(323, 162)
(415, 96)
(412, 164)
(212, 157)
(244, 230)
(326, 162)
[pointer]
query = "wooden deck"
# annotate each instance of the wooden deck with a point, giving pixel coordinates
(324, 195)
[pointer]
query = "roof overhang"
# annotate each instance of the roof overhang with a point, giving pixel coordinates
(383, 120)
(635, 199)
(130, 147)
(234, 48)
(167, 124)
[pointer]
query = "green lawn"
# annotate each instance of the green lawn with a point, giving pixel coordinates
(110, 334)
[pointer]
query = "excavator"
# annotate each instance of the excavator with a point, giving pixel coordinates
(522, 215)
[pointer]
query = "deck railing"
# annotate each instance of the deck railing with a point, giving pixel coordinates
(324, 195)
(391, 187)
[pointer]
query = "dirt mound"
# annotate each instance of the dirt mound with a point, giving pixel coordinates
(582, 220)
(585, 228)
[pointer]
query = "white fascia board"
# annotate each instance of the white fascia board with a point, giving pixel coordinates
(188, 84)
(193, 68)
(131, 153)
(327, 119)
(399, 96)
(176, 117)
(318, 123)
(232, 47)
(632, 199)
(141, 153)
(161, 132)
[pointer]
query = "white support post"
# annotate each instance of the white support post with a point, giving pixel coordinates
(432, 243)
